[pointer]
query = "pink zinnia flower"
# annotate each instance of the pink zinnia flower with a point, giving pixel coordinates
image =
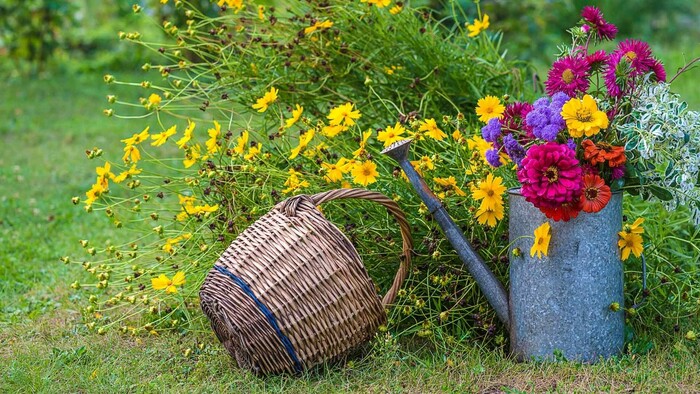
(568, 75)
(551, 176)
(604, 30)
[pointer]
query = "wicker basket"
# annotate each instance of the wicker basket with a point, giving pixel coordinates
(292, 292)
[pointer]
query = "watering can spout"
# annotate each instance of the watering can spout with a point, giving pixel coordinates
(491, 287)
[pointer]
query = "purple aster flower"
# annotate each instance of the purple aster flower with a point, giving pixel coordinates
(514, 149)
(568, 75)
(597, 59)
(545, 118)
(571, 144)
(594, 17)
(632, 58)
(492, 130)
(493, 157)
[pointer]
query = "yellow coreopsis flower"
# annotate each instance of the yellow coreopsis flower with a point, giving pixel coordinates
(318, 26)
(154, 99)
(187, 136)
(162, 282)
(332, 131)
(543, 234)
(478, 26)
(378, 3)
(432, 129)
(242, 142)
(489, 216)
(363, 144)
(583, 117)
(395, 9)
(334, 172)
(261, 12)
(253, 152)
(104, 173)
(490, 191)
(344, 114)
(425, 163)
(94, 193)
(296, 114)
(237, 5)
(365, 173)
(160, 138)
(262, 103)
(131, 154)
(214, 134)
(391, 134)
(193, 154)
(127, 174)
(137, 138)
(303, 142)
(489, 107)
(631, 239)
(294, 183)
(450, 183)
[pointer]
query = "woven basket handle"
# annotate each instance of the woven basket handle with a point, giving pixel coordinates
(398, 214)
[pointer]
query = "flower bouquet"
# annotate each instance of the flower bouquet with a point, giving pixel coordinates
(608, 123)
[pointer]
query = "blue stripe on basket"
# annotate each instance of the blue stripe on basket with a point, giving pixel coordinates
(268, 314)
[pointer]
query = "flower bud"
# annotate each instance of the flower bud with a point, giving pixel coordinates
(188, 351)
(111, 98)
(101, 331)
(108, 112)
(92, 299)
(154, 216)
(122, 35)
(90, 309)
(109, 78)
(131, 299)
(691, 336)
(615, 306)
(75, 200)
(84, 243)
(91, 251)
(166, 25)
(189, 14)
(118, 224)
(103, 276)
(75, 285)
(146, 66)
(145, 84)
(90, 326)
(65, 259)
(136, 8)
(517, 252)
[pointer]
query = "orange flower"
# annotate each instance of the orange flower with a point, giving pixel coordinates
(596, 193)
(602, 152)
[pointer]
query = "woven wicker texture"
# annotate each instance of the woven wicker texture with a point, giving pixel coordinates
(294, 269)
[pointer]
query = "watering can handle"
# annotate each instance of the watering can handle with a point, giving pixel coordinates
(398, 214)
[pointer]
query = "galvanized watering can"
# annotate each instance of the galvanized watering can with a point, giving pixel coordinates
(559, 306)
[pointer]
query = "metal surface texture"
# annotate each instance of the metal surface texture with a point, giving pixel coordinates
(560, 304)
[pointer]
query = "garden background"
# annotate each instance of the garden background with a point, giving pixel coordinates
(53, 55)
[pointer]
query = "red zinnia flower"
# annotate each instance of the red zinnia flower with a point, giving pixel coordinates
(596, 194)
(563, 212)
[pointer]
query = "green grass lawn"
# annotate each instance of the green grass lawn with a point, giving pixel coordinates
(45, 127)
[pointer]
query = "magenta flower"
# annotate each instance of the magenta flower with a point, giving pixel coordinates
(568, 75)
(514, 119)
(597, 59)
(551, 176)
(594, 17)
(631, 59)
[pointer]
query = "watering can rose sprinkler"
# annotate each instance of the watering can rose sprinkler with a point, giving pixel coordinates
(557, 307)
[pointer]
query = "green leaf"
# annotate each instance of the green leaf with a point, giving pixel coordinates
(661, 193)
